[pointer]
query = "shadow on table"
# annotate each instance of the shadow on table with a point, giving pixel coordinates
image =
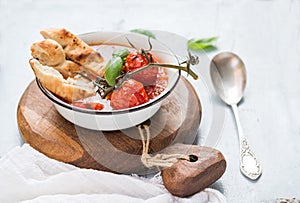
(218, 186)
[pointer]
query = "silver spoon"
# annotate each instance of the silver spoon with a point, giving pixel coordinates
(228, 75)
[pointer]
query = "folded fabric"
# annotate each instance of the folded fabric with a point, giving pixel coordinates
(29, 176)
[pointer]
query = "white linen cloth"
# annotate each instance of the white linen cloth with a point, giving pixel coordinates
(28, 176)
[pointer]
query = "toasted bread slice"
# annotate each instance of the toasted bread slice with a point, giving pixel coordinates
(60, 35)
(76, 49)
(69, 69)
(48, 52)
(70, 89)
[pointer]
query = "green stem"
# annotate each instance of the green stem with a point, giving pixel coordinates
(184, 68)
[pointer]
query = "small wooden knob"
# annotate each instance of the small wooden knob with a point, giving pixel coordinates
(185, 178)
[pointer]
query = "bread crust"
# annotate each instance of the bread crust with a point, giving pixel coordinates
(70, 89)
(60, 35)
(76, 49)
(69, 69)
(48, 52)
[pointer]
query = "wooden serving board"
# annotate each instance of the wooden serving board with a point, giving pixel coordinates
(46, 130)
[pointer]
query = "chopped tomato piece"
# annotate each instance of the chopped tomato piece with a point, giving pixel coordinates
(154, 90)
(135, 61)
(130, 94)
(89, 105)
(96, 106)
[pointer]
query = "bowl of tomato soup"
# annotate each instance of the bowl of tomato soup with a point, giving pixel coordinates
(138, 98)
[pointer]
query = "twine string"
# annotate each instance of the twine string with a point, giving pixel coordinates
(159, 160)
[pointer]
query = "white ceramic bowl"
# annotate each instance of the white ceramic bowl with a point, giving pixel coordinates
(108, 120)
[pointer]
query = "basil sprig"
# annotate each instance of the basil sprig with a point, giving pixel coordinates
(114, 65)
(123, 53)
(206, 44)
(113, 70)
(144, 32)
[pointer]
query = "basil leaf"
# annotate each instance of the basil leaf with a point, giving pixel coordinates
(113, 70)
(144, 32)
(205, 44)
(206, 40)
(123, 53)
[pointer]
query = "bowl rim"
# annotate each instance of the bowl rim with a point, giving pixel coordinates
(160, 97)
(156, 100)
(58, 101)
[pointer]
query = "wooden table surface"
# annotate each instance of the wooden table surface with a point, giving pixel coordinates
(266, 34)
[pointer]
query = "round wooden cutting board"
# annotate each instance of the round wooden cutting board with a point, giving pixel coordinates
(47, 131)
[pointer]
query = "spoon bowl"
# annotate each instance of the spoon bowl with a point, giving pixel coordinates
(229, 78)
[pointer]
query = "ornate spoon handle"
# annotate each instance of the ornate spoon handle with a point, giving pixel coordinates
(249, 164)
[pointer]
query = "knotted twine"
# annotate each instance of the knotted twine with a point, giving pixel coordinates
(159, 160)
